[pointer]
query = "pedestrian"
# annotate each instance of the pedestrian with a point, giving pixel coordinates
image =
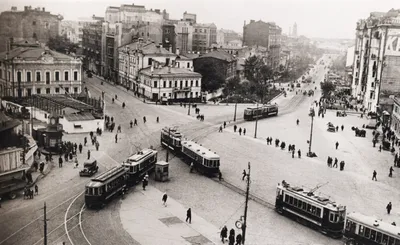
(391, 171)
(144, 183)
(80, 148)
(342, 165)
(337, 128)
(164, 199)
(144, 119)
(299, 153)
(158, 120)
(297, 122)
(112, 100)
(293, 154)
(60, 162)
(240, 131)
(191, 167)
(374, 175)
(342, 127)
(220, 129)
(97, 145)
(244, 174)
(116, 97)
(123, 105)
(244, 131)
(36, 190)
(231, 239)
(76, 162)
(224, 233)
(84, 141)
(219, 176)
(234, 128)
(66, 157)
(232, 233)
(224, 124)
(239, 239)
(389, 207)
(131, 123)
(135, 122)
(380, 148)
(337, 145)
(189, 216)
(88, 154)
(396, 157)
(289, 148)
(116, 138)
(119, 129)
(335, 163)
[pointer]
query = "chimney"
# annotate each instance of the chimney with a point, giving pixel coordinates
(177, 51)
(44, 10)
(25, 8)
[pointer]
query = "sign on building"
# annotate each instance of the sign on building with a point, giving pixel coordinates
(393, 42)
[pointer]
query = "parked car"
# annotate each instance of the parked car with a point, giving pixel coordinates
(89, 168)
(372, 124)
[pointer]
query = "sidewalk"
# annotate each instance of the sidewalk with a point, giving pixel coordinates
(147, 221)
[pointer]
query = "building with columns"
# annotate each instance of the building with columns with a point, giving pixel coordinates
(376, 70)
(26, 71)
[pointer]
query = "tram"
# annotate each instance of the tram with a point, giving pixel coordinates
(304, 206)
(139, 164)
(171, 138)
(366, 230)
(260, 112)
(102, 188)
(204, 160)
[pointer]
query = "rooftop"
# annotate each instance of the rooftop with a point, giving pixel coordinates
(34, 53)
(84, 116)
(199, 149)
(169, 71)
(218, 54)
(376, 224)
(143, 154)
(148, 48)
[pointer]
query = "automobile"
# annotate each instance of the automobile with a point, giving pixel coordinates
(298, 85)
(89, 74)
(372, 124)
(331, 127)
(89, 168)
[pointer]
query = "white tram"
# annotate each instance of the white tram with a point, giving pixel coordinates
(204, 160)
(315, 211)
(139, 164)
(366, 230)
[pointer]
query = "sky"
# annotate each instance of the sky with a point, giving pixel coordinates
(314, 18)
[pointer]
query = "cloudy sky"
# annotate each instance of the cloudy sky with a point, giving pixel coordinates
(315, 18)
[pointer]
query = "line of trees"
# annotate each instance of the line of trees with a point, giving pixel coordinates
(62, 44)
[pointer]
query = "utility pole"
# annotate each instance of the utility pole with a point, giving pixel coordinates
(23, 142)
(244, 226)
(312, 114)
(255, 130)
(189, 109)
(234, 116)
(169, 135)
(45, 225)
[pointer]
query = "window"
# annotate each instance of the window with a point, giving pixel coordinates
(38, 78)
(197, 83)
(47, 91)
(291, 200)
(170, 83)
(57, 90)
(286, 198)
(378, 237)
(38, 91)
(304, 206)
(75, 90)
(181, 84)
(295, 202)
(167, 61)
(164, 84)
(163, 94)
(75, 76)
(373, 235)
(186, 83)
(19, 76)
(191, 83)
(150, 61)
(155, 84)
(176, 84)
(57, 75)
(34, 35)
(197, 94)
(188, 65)
(28, 76)
(67, 90)
(47, 77)
(66, 76)
(318, 212)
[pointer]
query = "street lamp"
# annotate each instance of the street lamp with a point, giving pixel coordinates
(312, 115)
(234, 115)
(256, 116)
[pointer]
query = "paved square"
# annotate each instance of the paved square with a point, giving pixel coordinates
(171, 220)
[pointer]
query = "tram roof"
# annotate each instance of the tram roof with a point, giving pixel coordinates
(173, 131)
(263, 106)
(377, 224)
(115, 171)
(318, 199)
(140, 155)
(199, 149)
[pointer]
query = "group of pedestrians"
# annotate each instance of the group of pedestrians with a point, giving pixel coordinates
(231, 238)
(335, 163)
(240, 130)
(282, 145)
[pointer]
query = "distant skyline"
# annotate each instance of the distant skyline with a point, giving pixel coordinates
(314, 18)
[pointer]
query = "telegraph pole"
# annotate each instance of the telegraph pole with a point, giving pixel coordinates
(311, 114)
(45, 225)
(244, 226)
(234, 116)
(169, 135)
(23, 142)
(255, 130)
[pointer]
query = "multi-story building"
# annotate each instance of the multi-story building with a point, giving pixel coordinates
(73, 30)
(222, 60)
(266, 34)
(31, 24)
(169, 35)
(226, 36)
(189, 17)
(203, 37)
(294, 32)
(139, 55)
(376, 73)
(184, 36)
(91, 44)
(175, 84)
(27, 71)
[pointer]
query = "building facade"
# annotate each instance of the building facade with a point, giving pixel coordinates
(184, 36)
(73, 30)
(395, 118)
(91, 44)
(220, 59)
(31, 24)
(28, 71)
(204, 36)
(175, 84)
(376, 73)
(169, 36)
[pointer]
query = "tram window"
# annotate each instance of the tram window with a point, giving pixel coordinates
(331, 217)
(131, 169)
(373, 235)
(391, 241)
(96, 191)
(295, 202)
(361, 230)
(291, 200)
(397, 242)
(286, 198)
(299, 204)
(314, 210)
(353, 228)
(336, 218)
(308, 208)
(87, 191)
(367, 232)
(304, 206)
(348, 225)
(378, 237)
(318, 212)
(385, 239)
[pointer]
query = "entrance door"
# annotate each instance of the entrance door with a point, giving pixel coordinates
(155, 96)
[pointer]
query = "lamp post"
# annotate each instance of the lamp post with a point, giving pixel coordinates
(234, 115)
(256, 116)
(311, 114)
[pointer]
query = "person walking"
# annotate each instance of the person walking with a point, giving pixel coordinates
(337, 145)
(80, 148)
(240, 131)
(97, 145)
(297, 122)
(244, 174)
(88, 154)
(239, 239)
(231, 239)
(374, 175)
(224, 124)
(299, 153)
(158, 120)
(123, 105)
(342, 165)
(191, 167)
(60, 162)
(337, 128)
(244, 131)
(391, 171)
(224, 233)
(234, 128)
(380, 148)
(144, 119)
(36, 190)
(219, 176)
(164, 199)
(144, 183)
(220, 129)
(342, 127)
(189, 215)
(135, 122)
(335, 163)
(131, 123)
(85, 141)
(389, 207)
(119, 129)
(116, 138)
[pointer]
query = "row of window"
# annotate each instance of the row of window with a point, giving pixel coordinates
(186, 94)
(93, 191)
(48, 91)
(211, 163)
(175, 84)
(371, 234)
(29, 78)
(303, 205)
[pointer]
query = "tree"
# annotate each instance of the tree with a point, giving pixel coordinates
(62, 44)
(231, 86)
(327, 88)
(212, 77)
(251, 67)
